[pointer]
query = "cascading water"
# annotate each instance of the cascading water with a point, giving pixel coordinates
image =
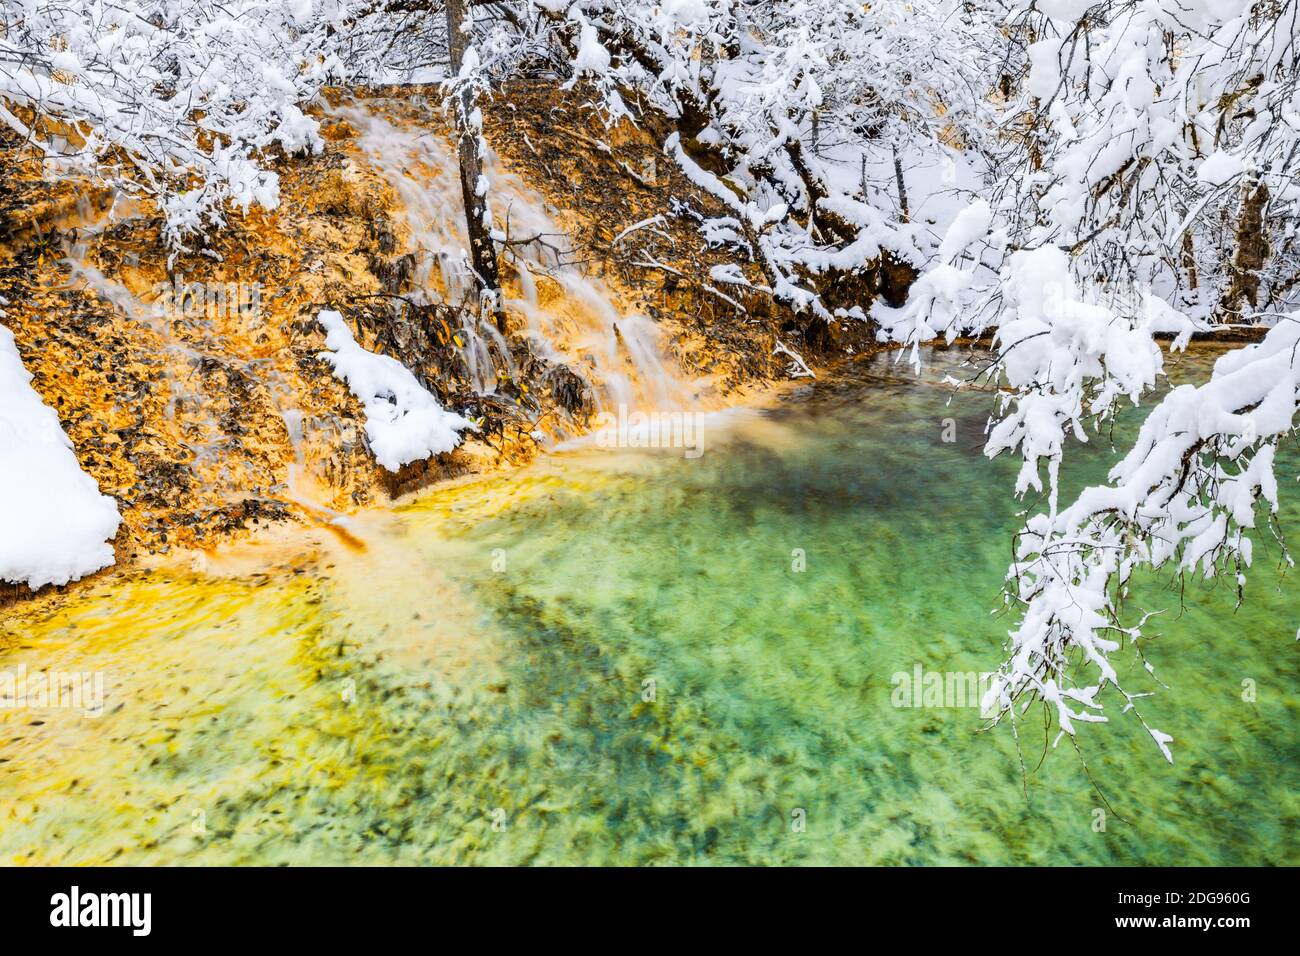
(199, 431)
(571, 318)
(214, 380)
(179, 318)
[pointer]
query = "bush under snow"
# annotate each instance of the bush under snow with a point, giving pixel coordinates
(404, 423)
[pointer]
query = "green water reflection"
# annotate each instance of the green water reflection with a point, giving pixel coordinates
(611, 658)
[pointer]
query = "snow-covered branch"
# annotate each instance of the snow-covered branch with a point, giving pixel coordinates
(182, 103)
(1141, 186)
(1188, 494)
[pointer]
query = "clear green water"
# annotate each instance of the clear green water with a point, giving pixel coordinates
(471, 689)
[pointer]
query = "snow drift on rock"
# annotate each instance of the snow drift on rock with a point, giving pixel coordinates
(55, 526)
(404, 423)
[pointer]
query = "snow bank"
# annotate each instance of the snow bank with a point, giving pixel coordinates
(55, 526)
(404, 423)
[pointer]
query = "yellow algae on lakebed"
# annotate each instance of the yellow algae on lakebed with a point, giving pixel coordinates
(183, 666)
(231, 703)
(216, 715)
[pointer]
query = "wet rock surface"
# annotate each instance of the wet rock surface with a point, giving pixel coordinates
(178, 409)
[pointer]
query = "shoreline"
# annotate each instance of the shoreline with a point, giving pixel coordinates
(440, 476)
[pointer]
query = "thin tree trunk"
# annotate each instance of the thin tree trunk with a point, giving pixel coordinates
(1189, 259)
(1189, 244)
(902, 188)
(478, 223)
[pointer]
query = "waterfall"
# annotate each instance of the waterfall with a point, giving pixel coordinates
(570, 318)
(565, 317)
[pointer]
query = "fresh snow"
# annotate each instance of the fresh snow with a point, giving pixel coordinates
(970, 224)
(55, 526)
(404, 423)
(1218, 168)
(592, 56)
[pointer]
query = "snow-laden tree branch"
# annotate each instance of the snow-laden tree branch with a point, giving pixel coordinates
(1141, 183)
(182, 102)
(1186, 494)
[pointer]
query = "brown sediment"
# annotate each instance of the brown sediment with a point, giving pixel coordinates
(178, 416)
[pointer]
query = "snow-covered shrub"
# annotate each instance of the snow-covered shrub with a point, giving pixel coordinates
(182, 101)
(1149, 149)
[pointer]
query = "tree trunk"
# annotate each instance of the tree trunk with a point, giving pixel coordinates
(1252, 248)
(478, 222)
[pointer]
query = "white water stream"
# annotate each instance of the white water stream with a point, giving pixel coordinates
(571, 318)
(568, 317)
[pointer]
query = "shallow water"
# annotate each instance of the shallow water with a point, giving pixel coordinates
(609, 657)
